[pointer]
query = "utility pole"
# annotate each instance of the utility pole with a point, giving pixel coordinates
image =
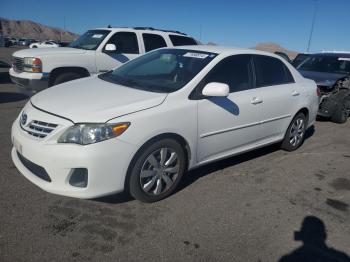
(312, 25)
(200, 33)
(64, 27)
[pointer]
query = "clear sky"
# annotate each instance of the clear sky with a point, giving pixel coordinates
(242, 23)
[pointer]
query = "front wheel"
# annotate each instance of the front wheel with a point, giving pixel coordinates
(157, 171)
(295, 134)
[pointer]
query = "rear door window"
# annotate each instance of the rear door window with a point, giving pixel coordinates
(271, 71)
(179, 40)
(153, 41)
(126, 42)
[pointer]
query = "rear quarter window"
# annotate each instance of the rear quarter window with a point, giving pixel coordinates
(271, 71)
(179, 40)
(153, 41)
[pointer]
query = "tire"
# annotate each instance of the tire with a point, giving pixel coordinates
(295, 134)
(34, 46)
(342, 109)
(65, 77)
(152, 177)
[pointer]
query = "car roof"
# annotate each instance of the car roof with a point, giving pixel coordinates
(347, 55)
(143, 30)
(226, 50)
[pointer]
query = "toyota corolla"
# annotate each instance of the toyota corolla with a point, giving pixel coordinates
(140, 127)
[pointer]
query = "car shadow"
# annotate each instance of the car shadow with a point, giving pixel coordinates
(195, 174)
(313, 235)
(5, 78)
(9, 97)
(119, 198)
(225, 104)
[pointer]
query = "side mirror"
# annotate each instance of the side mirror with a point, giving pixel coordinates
(110, 48)
(216, 89)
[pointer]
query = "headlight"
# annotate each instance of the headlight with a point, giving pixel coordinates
(85, 134)
(32, 65)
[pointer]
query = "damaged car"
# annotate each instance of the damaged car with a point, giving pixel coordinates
(331, 72)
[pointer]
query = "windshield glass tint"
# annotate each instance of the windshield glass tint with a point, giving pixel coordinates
(326, 64)
(90, 40)
(164, 70)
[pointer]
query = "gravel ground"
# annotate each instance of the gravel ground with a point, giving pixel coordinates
(245, 208)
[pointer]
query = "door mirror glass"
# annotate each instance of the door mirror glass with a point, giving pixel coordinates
(216, 89)
(110, 48)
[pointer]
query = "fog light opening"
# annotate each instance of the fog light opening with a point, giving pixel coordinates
(79, 177)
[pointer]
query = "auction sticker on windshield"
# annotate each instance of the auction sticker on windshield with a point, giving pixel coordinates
(195, 55)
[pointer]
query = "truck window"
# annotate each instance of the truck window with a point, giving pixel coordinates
(179, 40)
(126, 42)
(153, 41)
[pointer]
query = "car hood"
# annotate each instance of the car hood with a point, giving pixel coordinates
(321, 78)
(94, 100)
(38, 52)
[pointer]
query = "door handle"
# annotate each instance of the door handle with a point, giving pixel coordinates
(256, 100)
(295, 93)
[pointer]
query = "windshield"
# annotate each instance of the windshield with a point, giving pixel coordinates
(90, 40)
(163, 70)
(326, 64)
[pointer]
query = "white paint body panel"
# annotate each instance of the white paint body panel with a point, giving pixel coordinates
(94, 61)
(43, 45)
(213, 128)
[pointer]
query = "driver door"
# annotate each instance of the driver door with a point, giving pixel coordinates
(229, 124)
(127, 48)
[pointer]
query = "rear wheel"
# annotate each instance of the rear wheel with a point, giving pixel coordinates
(65, 77)
(342, 110)
(295, 134)
(157, 171)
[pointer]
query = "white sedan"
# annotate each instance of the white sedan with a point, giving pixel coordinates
(140, 127)
(46, 44)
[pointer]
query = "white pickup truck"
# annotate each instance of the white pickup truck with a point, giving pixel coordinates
(96, 51)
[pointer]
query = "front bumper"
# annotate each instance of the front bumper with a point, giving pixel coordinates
(29, 83)
(107, 162)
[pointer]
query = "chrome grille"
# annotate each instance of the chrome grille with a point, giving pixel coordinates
(40, 129)
(18, 64)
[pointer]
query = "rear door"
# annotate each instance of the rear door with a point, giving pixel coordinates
(279, 95)
(127, 48)
(229, 124)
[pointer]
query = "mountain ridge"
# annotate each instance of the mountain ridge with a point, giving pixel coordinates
(31, 29)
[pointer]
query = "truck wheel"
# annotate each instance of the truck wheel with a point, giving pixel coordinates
(65, 77)
(342, 109)
(157, 171)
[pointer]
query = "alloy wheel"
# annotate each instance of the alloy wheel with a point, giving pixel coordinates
(159, 171)
(296, 133)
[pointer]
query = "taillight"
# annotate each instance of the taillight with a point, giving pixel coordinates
(318, 91)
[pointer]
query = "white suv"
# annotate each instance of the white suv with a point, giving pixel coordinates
(94, 52)
(141, 126)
